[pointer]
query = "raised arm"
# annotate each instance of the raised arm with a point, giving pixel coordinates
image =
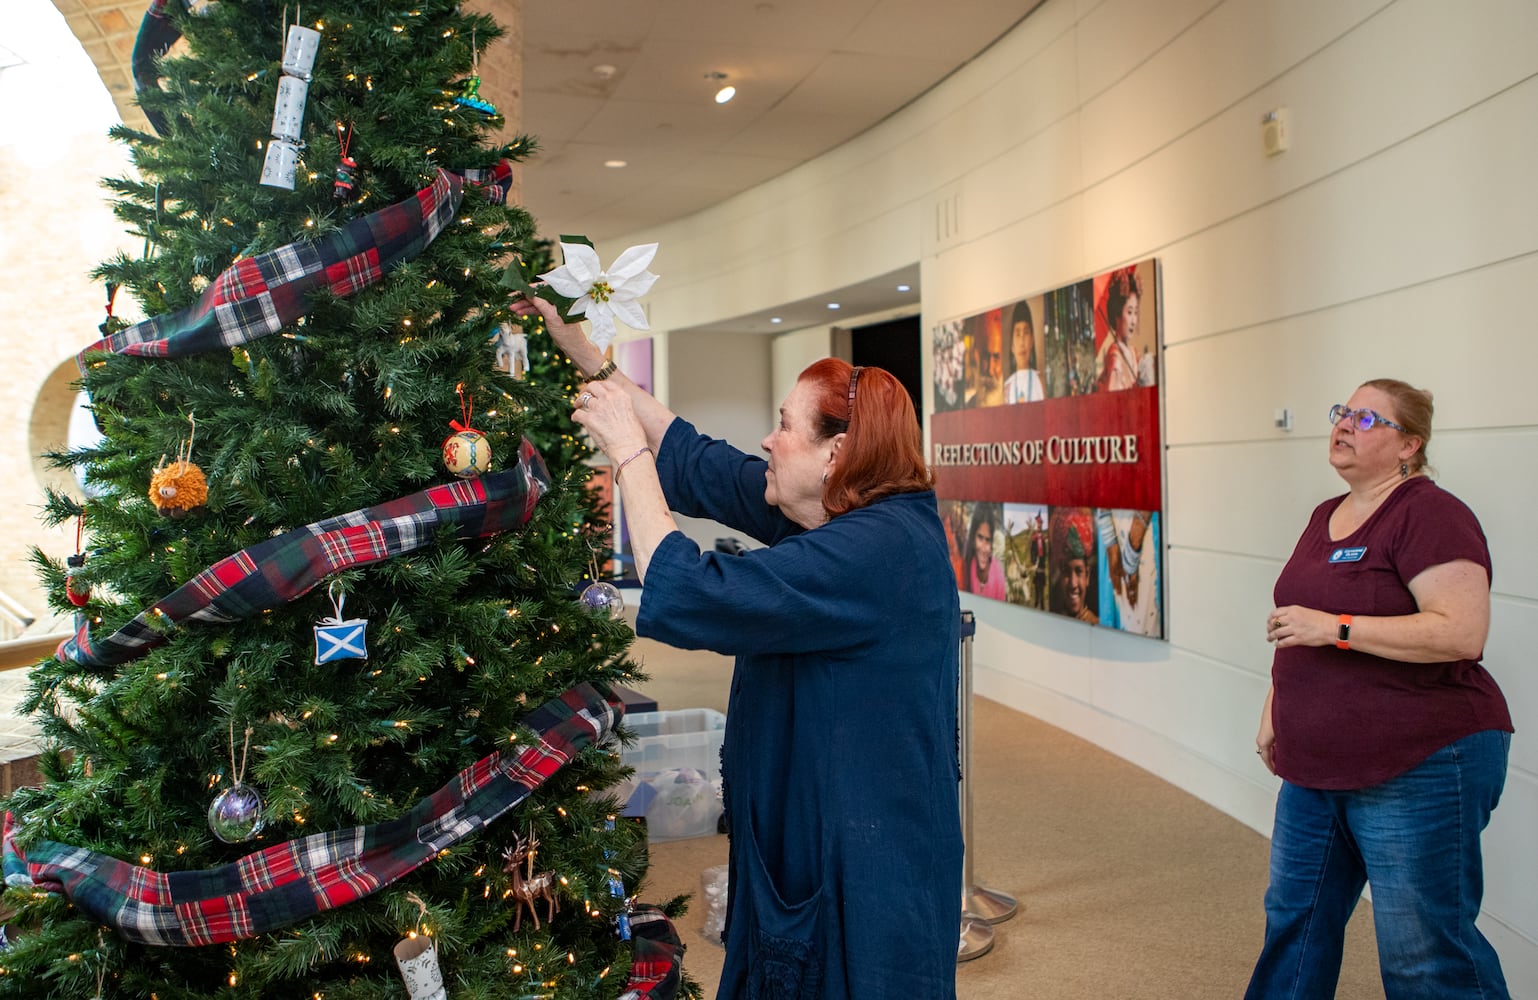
(572, 340)
(627, 423)
(609, 415)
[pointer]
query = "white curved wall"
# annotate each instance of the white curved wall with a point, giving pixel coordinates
(1398, 236)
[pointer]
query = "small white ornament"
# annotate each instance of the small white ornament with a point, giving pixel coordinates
(512, 350)
(299, 54)
(281, 165)
(418, 961)
(288, 111)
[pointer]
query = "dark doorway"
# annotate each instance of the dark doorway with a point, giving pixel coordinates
(893, 345)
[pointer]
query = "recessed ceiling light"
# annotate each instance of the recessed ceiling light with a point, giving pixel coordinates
(905, 288)
(615, 164)
(604, 71)
(727, 92)
(832, 305)
(775, 319)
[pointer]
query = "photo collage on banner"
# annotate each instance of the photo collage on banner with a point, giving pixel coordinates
(1047, 450)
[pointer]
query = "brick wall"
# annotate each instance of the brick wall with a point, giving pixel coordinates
(107, 29)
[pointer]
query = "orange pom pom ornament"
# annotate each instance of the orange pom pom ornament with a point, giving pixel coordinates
(180, 488)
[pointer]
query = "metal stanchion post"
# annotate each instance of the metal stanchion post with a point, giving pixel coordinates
(989, 904)
(976, 932)
(976, 938)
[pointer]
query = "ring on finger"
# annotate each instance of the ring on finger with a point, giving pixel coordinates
(584, 399)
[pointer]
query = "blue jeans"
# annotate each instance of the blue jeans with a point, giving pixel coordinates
(1415, 838)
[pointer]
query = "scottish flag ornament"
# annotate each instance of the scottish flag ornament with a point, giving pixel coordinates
(339, 639)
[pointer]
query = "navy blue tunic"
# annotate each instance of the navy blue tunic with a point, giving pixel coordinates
(840, 751)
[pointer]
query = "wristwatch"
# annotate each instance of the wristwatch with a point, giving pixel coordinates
(1343, 637)
(604, 371)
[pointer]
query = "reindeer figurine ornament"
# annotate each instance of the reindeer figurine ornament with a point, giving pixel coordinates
(529, 888)
(512, 350)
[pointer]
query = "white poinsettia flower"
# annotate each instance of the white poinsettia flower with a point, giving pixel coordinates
(604, 295)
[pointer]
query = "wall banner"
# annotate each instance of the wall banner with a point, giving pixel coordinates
(1047, 450)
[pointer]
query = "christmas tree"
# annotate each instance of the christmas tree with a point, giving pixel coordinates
(333, 695)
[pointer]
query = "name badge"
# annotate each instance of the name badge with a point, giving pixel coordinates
(1348, 555)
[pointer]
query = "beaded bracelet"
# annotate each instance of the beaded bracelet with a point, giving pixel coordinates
(644, 450)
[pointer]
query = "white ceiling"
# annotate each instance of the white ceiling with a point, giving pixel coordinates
(810, 74)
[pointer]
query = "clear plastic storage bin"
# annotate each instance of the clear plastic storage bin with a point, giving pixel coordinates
(685, 737)
(677, 784)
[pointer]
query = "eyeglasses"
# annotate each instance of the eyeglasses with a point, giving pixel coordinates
(1362, 420)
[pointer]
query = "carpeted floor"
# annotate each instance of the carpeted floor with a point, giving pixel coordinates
(1128, 887)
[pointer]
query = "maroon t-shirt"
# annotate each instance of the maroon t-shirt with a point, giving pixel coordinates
(1348, 719)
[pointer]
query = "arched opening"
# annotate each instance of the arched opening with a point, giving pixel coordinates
(59, 421)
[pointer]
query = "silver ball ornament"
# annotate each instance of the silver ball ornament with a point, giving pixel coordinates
(236, 814)
(605, 597)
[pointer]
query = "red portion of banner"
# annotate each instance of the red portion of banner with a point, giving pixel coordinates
(1096, 450)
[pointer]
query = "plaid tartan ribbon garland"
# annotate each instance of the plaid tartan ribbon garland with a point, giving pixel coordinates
(289, 882)
(656, 956)
(260, 295)
(494, 182)
(283, 569)
(156, 35)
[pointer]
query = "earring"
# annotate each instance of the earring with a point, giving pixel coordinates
(824, 477)
(1404, 470)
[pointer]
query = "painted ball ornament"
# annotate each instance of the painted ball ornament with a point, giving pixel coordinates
(236, 814)
(467, 453)
(604, 597)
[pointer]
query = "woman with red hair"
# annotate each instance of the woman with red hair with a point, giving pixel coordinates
(840, 753)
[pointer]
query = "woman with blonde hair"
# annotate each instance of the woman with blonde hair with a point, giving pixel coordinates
(1390, 737)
